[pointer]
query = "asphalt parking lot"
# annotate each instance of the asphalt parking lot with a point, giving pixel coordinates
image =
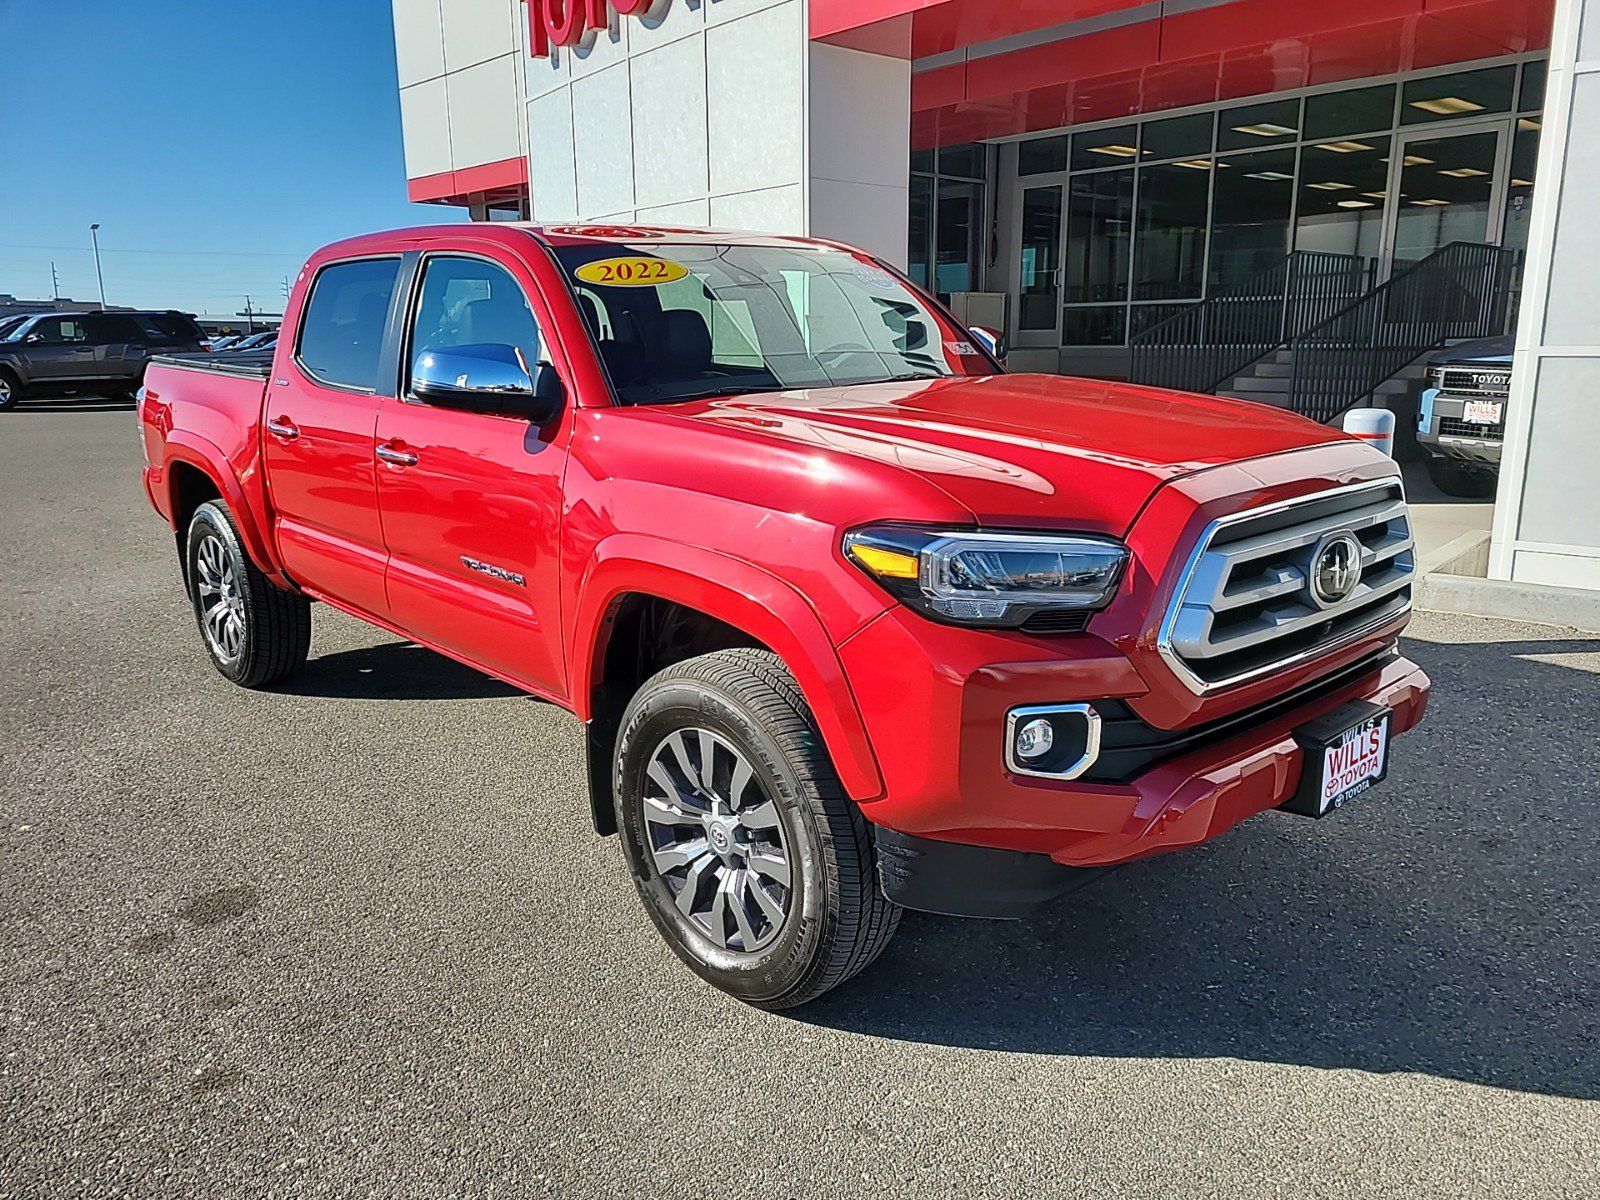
(355, 937)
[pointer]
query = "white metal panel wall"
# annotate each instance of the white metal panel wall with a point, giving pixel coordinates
(460, 87)
(1547, 515)
(693, 114)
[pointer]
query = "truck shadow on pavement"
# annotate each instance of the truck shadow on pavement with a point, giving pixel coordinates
(1446, 924)
(394, 671)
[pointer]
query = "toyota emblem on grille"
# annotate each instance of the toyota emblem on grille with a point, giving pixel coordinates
(1335, 568)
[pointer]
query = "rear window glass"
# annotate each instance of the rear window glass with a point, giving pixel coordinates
(170, 327)
(341, 337)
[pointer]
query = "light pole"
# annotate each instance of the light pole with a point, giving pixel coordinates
(94, 236)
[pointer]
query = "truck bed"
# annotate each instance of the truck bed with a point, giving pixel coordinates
(251, 364)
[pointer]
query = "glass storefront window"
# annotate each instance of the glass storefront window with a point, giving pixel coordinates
(963, 161)
(1446, 185)
(1174, 202)
(1354, 110)
(1254, 196)
(956, 235)
(1104, 147)
(1039, 283)
(1104, 325)
(1464, 94)
(1177, 137)
(1519, 190)
(1342, 196)
(1530, 96)
(920, 229)
(1252, 125)
(1041, 155)
(1099, 236)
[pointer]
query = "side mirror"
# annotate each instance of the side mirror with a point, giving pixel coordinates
(990, 341)
(33, 339)
(487, 377)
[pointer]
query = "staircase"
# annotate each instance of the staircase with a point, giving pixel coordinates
(1270, 380)
(1353, 347)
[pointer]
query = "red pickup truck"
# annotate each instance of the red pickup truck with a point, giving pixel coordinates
(853, 619)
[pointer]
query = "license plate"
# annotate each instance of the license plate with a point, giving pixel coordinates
(1482, 412)
(1346, 753)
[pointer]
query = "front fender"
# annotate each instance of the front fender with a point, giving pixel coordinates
(193, 450)
(739, 594)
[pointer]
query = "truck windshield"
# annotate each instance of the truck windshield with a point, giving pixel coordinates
(690, 320)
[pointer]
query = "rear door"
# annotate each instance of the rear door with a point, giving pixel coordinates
(119, 349)
(321, 406)
(471, 500)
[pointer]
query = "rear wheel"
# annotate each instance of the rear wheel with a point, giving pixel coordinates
(255, 632)
(10, 390)
(750, 859)
(1457, 479)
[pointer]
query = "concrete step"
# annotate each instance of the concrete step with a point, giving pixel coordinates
(1261, 383)
(1273, 369)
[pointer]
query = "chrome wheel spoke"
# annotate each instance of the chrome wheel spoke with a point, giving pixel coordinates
(658, 810)
(760, 816)
(738, 890)
(764, 899)
(772, 865)
(682, 854)
(690, 892)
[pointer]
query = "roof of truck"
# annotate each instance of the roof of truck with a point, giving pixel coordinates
(558, 235)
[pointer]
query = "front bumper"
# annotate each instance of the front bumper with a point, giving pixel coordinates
(1441, 429)
(939, 736)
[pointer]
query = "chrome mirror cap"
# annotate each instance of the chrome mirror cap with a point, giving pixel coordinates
(485, 369)
(990, 340)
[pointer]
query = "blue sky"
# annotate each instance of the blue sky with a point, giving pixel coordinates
(217, 144)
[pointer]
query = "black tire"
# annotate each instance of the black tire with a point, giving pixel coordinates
(1457, 479)
(10, 390)
(273, 626)
(837, 920)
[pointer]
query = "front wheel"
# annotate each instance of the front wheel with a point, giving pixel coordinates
(10, 390)
(750, 859)
(256, 633)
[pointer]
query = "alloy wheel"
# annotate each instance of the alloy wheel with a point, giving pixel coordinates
(5, 391)
(221, 599)
(716, 840)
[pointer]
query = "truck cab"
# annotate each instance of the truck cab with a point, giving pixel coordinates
(853, 619)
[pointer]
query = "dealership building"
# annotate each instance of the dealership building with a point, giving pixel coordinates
(1289, 200)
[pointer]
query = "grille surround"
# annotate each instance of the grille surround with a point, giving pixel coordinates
(1475, 381)
(1244, 593)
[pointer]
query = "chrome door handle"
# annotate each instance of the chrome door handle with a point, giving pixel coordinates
(284, 428)
(400, 458)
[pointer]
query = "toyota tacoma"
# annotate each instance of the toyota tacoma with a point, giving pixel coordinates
(854, 620)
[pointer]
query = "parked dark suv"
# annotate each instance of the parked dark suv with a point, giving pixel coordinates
(101, 353)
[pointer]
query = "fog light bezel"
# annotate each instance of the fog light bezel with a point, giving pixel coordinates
(1091, 742)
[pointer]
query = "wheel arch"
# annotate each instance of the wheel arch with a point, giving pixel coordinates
(192, 477)
(716, 602)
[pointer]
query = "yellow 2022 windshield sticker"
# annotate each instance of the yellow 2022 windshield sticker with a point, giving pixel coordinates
(631, 271)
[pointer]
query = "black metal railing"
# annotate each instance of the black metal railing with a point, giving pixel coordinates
(1462, 290)
(1212, 341)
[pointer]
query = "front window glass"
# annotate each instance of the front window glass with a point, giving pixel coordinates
(60, 329)
(470, 302)
(677, 322)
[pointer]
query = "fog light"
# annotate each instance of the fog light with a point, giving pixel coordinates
(1035, 738)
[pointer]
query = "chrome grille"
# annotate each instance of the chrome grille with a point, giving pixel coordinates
(1475, 381)
(1244, 606)
(1456, 427)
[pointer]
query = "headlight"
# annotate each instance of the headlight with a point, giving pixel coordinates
(988, 579)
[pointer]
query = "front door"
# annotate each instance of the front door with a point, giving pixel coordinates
(471, 499)
(1039, 273)
(1446, 188)
(59, 350)
(321, 409)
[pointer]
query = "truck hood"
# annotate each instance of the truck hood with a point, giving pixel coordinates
(1023, 449)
